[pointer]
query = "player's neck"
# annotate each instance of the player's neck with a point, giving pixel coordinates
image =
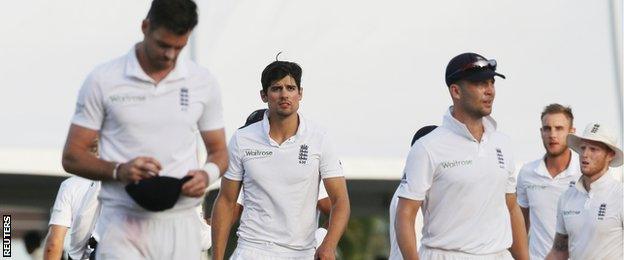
(282, 128)
(556, 164)
(588, 180)
(157, 74)
(474, 124)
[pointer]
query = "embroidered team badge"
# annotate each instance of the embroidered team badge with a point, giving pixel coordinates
(303, 154)
(595, 128)
(501, 159)
(404, 178)
(184, 98)
(602, 210)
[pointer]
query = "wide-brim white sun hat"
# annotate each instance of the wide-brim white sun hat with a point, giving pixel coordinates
(599, 133)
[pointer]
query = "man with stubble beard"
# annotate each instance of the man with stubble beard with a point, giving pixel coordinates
(462, 176)
(541, 182)
(280, 161)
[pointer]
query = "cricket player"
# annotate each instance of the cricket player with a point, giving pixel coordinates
(590, 215)
(462, 176)
(280, 161)
(541, 182)
(395, 252)
(147, 107)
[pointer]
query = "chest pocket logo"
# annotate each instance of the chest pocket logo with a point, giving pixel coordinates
(501, 159)
(303, 154)
(184, 99)
(602, 210)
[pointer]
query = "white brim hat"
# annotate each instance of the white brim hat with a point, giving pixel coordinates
(599, 133)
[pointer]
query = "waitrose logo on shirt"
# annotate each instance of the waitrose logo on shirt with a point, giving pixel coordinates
(455, 163)
(127, 99)
(257, 153)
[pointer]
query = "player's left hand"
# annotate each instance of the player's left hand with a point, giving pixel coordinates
(196, 186)
(325, 252)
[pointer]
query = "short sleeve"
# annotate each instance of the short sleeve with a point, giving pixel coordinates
(510, 185)
(418, 174)
(560, 227)
(62, 210)
(330, 166)
(89, 111)
(239, 200)
(235, 166)
(521, 193)
(212, 115)
(322, 191)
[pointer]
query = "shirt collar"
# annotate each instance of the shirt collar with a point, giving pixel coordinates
(133, 68)
(599, 184)
(573, 167)
(459, 128)
(267, 128)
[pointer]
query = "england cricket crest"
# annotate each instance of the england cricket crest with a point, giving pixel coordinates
(184, 98)
(303, 154)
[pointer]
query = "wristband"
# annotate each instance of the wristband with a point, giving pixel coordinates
(213, 172)
(115, 170)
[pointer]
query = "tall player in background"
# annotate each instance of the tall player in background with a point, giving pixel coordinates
(541, 182)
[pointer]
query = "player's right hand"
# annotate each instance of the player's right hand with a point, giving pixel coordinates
(137, 169)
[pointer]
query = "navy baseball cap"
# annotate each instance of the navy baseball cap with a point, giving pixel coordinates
(158, 193)
(422, 132)
(472, 67)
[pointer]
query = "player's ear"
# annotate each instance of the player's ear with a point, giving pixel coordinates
(145, 26)
(263, 96)
(455, 91)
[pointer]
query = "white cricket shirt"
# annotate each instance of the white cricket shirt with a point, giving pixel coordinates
(68, 200)
(322, 194)
(539, 192)
(593, 220)
(462, 183)
(135, 118)
(281, 184)
(76, 207)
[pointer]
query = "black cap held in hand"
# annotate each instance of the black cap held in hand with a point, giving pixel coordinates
(157, 193)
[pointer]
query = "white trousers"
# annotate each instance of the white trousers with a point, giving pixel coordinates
(244, 252)
(427, 253)
(164, 235)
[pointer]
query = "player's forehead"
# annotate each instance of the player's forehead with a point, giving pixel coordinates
(284, 82)
(165, 36)
(593, 144)
(555, 119)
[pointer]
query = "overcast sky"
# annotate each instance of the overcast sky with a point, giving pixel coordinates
(373, 70)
